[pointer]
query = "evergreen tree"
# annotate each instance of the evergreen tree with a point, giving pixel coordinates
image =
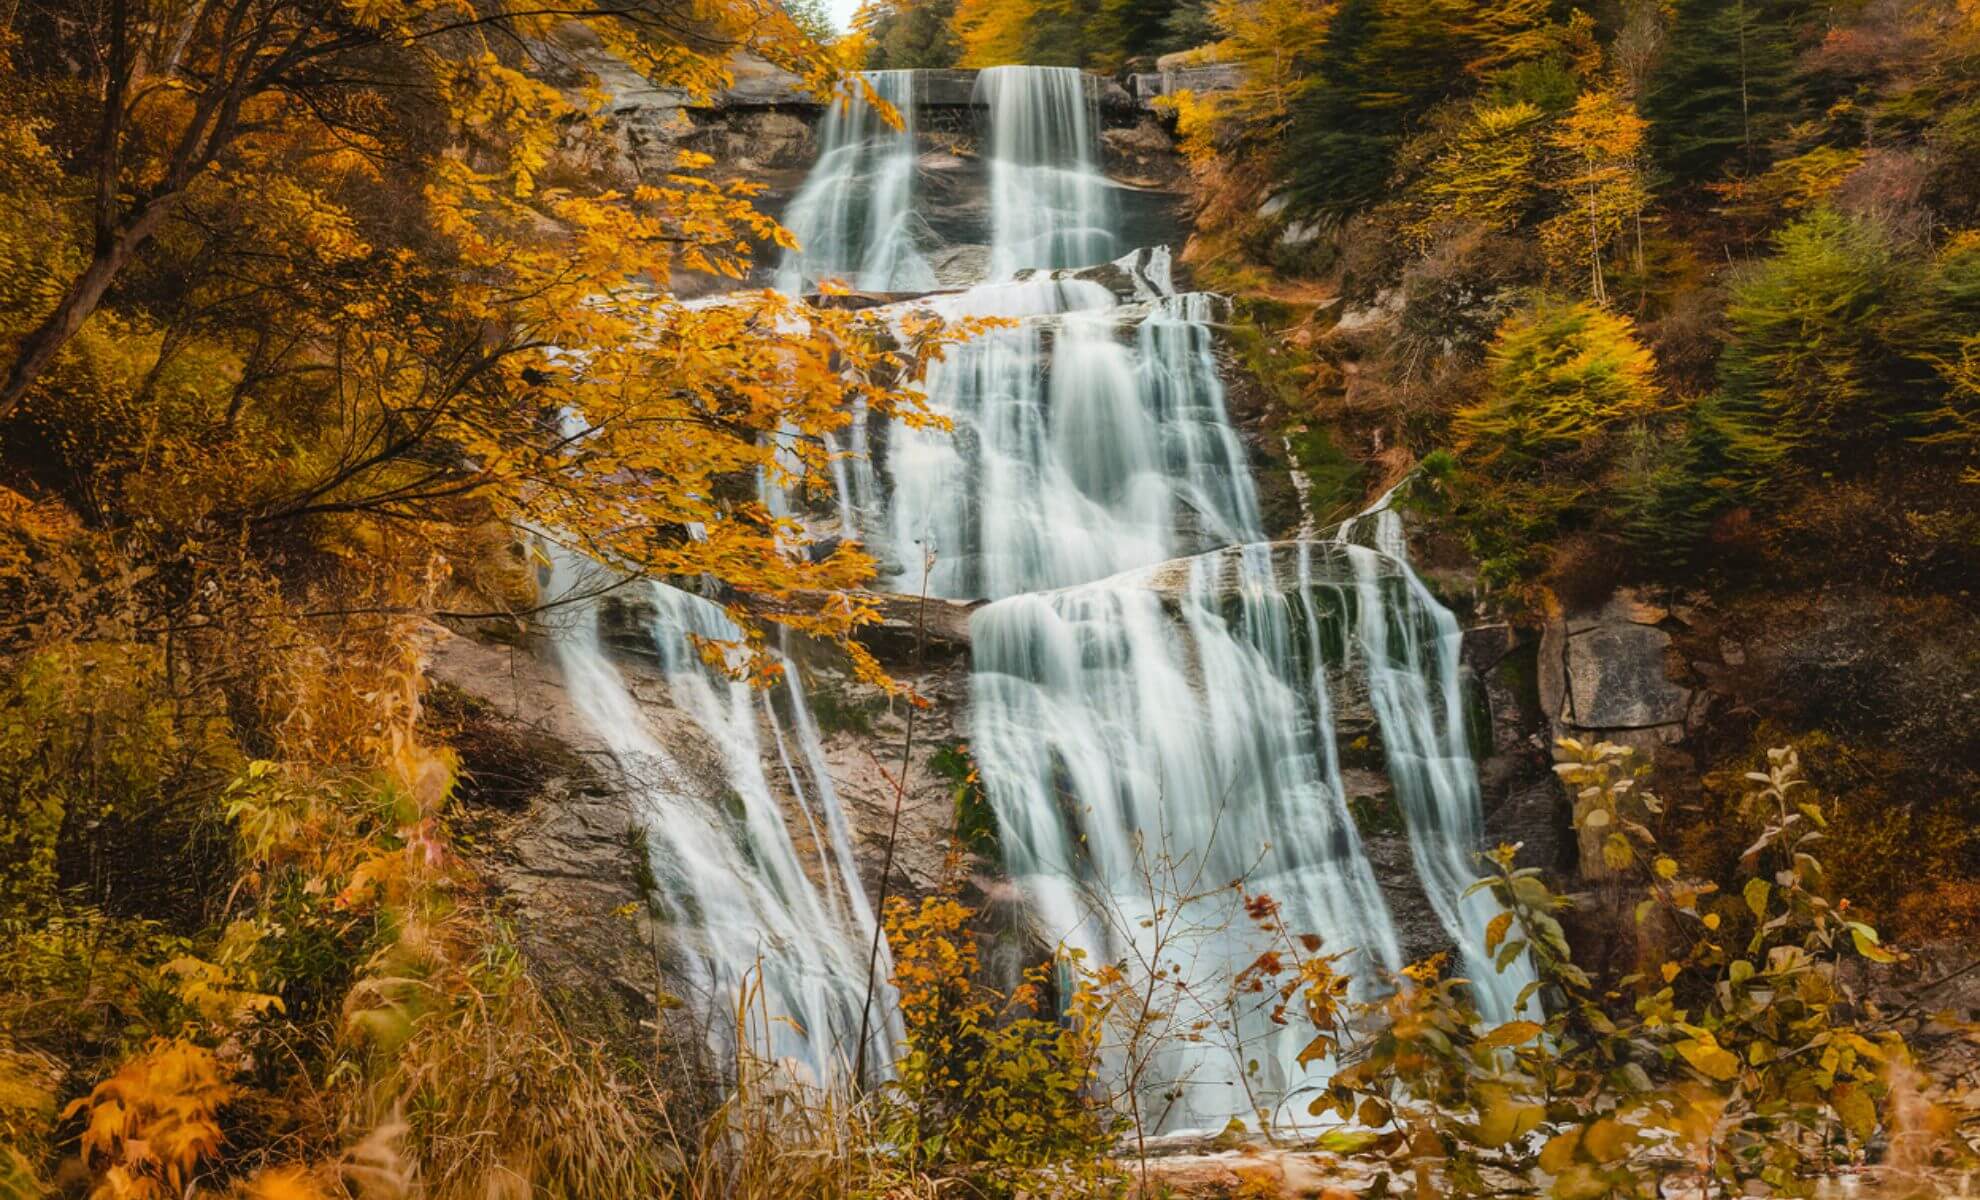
(1727, 85)
(1808, 371)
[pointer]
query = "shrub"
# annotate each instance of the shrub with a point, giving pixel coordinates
(1808, 370)
(986, 1086)
(1561, 376)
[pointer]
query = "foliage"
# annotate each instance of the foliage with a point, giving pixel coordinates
(1726, 85)
(1561, 375)
(1602, 186)
(985, 1083)
(909, 34)
(1277, 44)
(1483, 173)
(312, 314)
(1744, 1052)
(1808, 369)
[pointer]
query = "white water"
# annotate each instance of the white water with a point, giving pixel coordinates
(1049, 204)
(1410, 645)
(855, 218)
(1088, 438)
(730, 859)
(1147, 734)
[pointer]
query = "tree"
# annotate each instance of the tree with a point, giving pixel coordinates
(1561, 375)
(1278, 44)
(909, 34)
(1484, 173)
(1727, 85)
(1384, 65)
(1807, 372)
(350, 279)
(1600, 181)
(995, 32)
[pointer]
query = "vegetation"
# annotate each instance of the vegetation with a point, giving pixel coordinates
(315, 315)
(319, 320)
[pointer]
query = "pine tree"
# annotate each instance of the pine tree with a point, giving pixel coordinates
(1808, 370)
(1727, 86)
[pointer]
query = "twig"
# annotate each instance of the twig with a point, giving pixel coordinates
(893, 835)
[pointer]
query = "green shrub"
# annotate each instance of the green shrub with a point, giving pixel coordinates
(1809, 370)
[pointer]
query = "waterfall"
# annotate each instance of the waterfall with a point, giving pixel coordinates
(1090, 437)
(1158, 694)
(1411, 645)
(729, 858)
(1124, 726)
(1140, 756)
(854, 219)
(1049, 204)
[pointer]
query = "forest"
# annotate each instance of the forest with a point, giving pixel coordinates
(345, 341)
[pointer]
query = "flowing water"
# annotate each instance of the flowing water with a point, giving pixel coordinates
(1158, 692)
(855, 218)
(729, 863)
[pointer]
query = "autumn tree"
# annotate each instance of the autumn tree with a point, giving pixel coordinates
(1277, 44)
(1600, 182)
(317, 321)
(1484, 172)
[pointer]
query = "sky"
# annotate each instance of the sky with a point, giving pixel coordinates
(841, 12)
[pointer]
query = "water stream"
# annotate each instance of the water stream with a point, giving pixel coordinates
(1157, 691)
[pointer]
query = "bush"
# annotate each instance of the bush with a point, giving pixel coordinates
(1809, 370)
(1561, 376)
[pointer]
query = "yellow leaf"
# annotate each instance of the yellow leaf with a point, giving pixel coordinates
(1709, 1058)
(1512, 1033)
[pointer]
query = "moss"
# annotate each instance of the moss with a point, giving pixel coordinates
(838, 711)
(1377, 815)
(1336, 483)
(975, 820)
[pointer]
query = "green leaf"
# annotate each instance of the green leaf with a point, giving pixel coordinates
(1757, 892)
(1347, 1141)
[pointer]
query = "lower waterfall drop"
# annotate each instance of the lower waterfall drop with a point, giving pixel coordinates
(732, 886)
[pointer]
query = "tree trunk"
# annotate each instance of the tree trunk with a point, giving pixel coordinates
(39, 348)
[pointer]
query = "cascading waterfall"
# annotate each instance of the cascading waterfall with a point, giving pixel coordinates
(1140, 759)
(1092, 437)
(855, 218)
(730, 861)
(1411, 646)
(1049, 204)
(1127, 726)
(1148, 726)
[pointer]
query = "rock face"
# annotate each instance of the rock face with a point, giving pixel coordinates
(1605, 674)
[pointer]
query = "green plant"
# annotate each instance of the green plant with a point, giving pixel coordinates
(1743, 1052)
(1809, 369)
(987, 1086)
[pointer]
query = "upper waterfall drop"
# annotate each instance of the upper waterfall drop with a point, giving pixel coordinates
(855, 218)
(1049, 204)
(1091, 437)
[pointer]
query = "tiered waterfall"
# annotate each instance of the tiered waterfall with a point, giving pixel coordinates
(1157, 689)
